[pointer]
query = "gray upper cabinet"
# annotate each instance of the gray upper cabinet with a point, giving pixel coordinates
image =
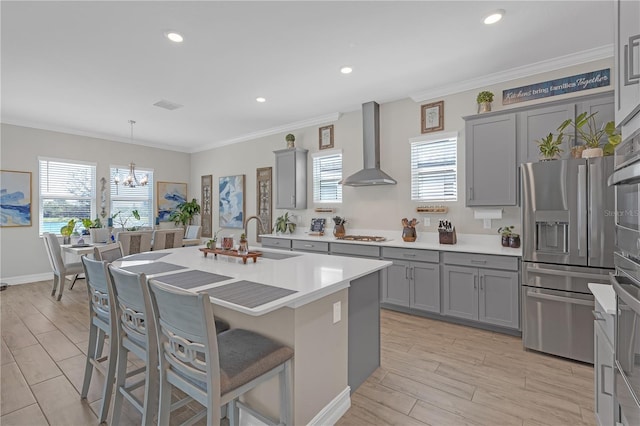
(491, 161)
(537, 123)
(291, 178)
(604, 106)
(627, 60)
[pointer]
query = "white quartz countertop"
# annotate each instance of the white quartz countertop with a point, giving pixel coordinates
(467, 243)
(312, 276)
(605, 296)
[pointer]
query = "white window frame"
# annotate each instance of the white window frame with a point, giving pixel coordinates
(42, 195)
(123, 196)
(417, 194)
(316, 157)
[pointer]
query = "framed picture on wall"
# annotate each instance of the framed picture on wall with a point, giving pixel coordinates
(263, 199)
(169, 195)
(326, 137)
(206, 215)
(432, 117)
(15, 204)
(232, 193)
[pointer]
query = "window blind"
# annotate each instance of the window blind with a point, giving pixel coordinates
(434, 170)
(327, 173)
(67, 191)
(126, 199)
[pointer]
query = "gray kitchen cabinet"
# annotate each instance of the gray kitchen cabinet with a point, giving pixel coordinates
(279, 243)
(626, 60)
(491, 161)
(537, 123)
(603, 105)
(413, 284)
(355, 250)
(310, 246)
(603, 364)
(460, 291)
(498, 298)
(291, 178)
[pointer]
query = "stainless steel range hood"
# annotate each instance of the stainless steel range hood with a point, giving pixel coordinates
(371, 174)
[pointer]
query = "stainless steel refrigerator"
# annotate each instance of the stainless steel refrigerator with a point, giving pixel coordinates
(568, 214)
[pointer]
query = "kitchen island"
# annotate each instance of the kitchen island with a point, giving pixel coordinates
(330, 318)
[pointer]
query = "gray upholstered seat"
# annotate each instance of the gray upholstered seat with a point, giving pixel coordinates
(60, 269)
(192, 236)
(167, 238)
(214, 371)
(135, 241)
(109, 252)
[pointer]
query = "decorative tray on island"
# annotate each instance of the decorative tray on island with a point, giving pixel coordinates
(232, 253)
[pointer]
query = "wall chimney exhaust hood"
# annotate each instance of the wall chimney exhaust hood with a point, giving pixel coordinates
(371, 174)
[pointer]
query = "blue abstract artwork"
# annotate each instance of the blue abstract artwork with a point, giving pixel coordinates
(231, 201)
(169, 195)
(15, 198)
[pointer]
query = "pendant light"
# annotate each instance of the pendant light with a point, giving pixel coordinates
(131, 180)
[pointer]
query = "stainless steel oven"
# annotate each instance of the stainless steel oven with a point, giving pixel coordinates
(626, 179)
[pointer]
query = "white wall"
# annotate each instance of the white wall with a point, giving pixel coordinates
(21, 250)
(377, 207)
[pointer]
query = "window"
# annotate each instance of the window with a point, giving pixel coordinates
(434, 169)
(327, 173)
(67, 191)
(126, 199)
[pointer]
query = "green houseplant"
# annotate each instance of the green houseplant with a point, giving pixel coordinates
(586, 128)
(185, 212)
(123, 221)
(506, 232)
(284, 224)
(290, 138)
(549, 146)
(484, 100)
(67, 230)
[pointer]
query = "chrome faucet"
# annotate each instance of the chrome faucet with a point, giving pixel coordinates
(260, 224)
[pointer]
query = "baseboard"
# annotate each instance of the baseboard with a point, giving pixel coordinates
(329, 415)
(332, 412)
(25, 279)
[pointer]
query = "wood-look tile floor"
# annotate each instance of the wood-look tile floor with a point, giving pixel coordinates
(432, 372)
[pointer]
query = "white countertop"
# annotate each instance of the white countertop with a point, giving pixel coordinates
(312, 276)
(467, 243)
(605, 296)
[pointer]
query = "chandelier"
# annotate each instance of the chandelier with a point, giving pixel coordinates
(131, 180)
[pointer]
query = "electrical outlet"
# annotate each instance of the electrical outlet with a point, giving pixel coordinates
(487, 223)
(337, 312)
(426, 222)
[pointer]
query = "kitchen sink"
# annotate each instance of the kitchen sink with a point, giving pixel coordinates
(277, 256)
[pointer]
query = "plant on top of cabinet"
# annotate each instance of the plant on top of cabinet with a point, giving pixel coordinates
(284, 224)
(290, 138)
(585, 126)
(484, 100)
(549, 146)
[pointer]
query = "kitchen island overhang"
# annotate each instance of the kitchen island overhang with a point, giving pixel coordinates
(332, 358)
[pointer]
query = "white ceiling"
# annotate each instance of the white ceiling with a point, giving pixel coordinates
(89, 67)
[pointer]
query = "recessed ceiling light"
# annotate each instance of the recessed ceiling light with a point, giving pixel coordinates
(494, 17)
(174, 36)
(261, 99)
(346, 70)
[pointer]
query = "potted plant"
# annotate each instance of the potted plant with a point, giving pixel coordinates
(243, 247)
(290, 138)
(587, 130)
(123, 221)
(284, 224)
(484, 100)
(506, 232)
(514, 240)
(549, 146)
(185, 212)
(338, 229)
(67, 230)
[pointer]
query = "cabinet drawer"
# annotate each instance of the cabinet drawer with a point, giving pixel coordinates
(606, 320)
(276, 243)
(411, 254)
(508, 263)
(355, 250)
(310, 246)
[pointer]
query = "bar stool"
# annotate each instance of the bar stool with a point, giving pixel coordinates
(214, 371)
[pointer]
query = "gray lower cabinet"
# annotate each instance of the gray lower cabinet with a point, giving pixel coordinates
(603, 364)
(460, 292)
(310, 246)
(278, 243)
(491, 161)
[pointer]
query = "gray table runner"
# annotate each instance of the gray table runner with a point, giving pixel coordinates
(248, 293)
(192, 279)
(153, 268)
(146, 256)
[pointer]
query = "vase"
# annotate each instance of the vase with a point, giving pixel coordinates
(592, 152)
(409, 234)
(505, 241)
(514, 241)
(576, 151)
(243, 247)
(291, 144)
(484, 107)
(339, 231)
(66, 239)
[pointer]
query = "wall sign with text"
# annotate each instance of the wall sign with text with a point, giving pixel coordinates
(575, 83)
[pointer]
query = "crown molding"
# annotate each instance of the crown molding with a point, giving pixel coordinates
(315, 121)
(572, 59)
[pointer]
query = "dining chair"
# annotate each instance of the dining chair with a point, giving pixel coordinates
(101, 326)
(192, 236)
(60, 269)
(167, 238)
(135, 241)
(108, 252)
(99, 235)
(214, 371)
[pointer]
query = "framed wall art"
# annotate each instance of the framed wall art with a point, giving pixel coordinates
(231, 189)
(169, 195)
(15, 198)
(206, 215)
(263, 199)
(326, 137)
(432, 117)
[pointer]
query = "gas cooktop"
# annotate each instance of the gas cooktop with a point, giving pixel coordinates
(371, 238)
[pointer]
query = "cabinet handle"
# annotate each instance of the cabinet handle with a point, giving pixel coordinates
(475, 281)
(413, 273)
(478, 262)
(481, 282)
(406, 272)
(629, 76)
(293, 200)
(308, 245)
(409, 255)
(470, 193)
